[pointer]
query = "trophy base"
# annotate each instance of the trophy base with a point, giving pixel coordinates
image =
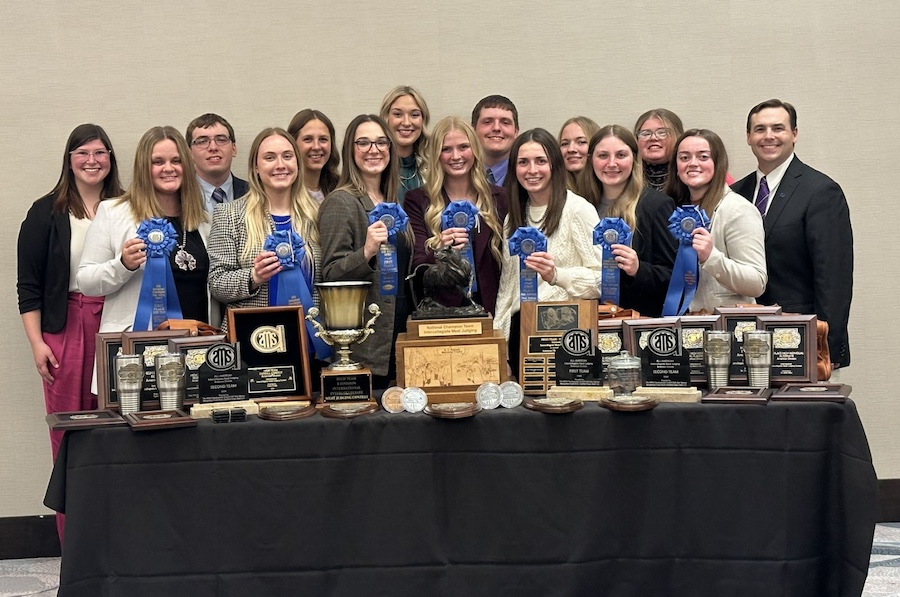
(346, 386)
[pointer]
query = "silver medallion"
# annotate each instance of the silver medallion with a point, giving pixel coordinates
(388, 220)
(414, 400)
(527, 246)
(488, 395)
(460, 220)
(511, 394)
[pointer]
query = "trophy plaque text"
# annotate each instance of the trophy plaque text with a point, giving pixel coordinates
(578, 363)
(222, 375)
(692, 328)
(657, 343)
(794, 347)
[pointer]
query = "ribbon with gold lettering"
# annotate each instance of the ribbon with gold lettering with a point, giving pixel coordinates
(395, 219)
(463, 214)
(686, 271)
(525, 241)
(158, 298)
(609, 232)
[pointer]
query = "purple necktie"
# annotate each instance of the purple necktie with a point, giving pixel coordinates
(219, 196)
(762, 197)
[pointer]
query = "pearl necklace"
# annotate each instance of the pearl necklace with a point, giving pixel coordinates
(531, 221)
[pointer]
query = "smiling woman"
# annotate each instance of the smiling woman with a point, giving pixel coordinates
(574, 137)
(315, 140)
(406, 114)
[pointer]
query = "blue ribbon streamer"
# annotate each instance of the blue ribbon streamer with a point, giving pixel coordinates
(158, 298)
(293, 282)
(686, 271)
(525, 241)
(396, 220)
(609, 232)
(463, 214)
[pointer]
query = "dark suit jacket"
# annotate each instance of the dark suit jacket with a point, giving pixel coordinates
(655, 247)
(809, 250)
(487, 270)
(239, 187)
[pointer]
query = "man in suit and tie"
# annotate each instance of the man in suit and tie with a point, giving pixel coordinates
(809, 241)
(496, 123)
(213, 148)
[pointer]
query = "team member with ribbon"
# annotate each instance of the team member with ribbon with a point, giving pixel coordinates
(730, 247)
(458, 208)
(682, 224)
(264, 246)
(146, 251)
(614, 184)
(353, 243)
(608, 233)
(569, 265)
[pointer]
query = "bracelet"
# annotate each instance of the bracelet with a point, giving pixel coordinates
(555, 274)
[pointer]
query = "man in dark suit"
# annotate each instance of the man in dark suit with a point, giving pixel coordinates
(213, 148)
(809, 242)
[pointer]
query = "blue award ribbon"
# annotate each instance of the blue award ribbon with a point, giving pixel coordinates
(686, 271)
(463, 214)
(293, 282)
(525, 241)
(158, 298)
(609, 232)
(395, 219)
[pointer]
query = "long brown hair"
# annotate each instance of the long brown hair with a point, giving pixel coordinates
(68, 199)
(328, 177)
(625, 206)
(589, 128)
(716, 189)
(141, 195)
(518, 196)
(483, 199)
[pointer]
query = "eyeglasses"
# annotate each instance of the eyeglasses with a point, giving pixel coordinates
(366, 144)
(218, 139)
(101, 155)
(658, 133)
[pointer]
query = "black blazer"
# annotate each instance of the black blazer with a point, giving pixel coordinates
(655, 247)
(809, 250)
(239, 186)
(43, 264)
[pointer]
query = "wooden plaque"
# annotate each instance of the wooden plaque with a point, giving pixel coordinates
(610, 340)
(794, 347)
(465, 327)
(148, 345)
(738, 320)
(84, 419)
(159, 419)
(543, 325)
(194, 350)
(636, 331)
(108, 345)
(692, 328)
(738, 395)
(813, 392)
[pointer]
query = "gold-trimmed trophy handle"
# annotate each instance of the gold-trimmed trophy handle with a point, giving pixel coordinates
(320, 333)
(368, 330)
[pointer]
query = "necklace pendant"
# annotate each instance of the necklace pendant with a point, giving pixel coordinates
(185, 261)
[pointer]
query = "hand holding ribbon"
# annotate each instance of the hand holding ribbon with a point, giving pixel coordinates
(686, 272)
(395, 221)
(463, 214)
(158, 298)
(524, 242)
(609, 232)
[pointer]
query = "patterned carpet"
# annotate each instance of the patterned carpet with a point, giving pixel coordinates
(40, 577)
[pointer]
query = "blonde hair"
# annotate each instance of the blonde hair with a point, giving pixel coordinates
(421, 143)
(483, 199)
(141, 194)
(589, 128)
(256, 215)
(625, 206)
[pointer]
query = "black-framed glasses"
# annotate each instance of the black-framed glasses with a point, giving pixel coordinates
(365, 144)
(658, 133)
(219, 140)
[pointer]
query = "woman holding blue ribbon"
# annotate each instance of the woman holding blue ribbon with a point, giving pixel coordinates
(731, 250)
(263, 247)
(614, 184)
(146, 252)
(458, 208)
(365, 236)
(549, 231)
(60, 322)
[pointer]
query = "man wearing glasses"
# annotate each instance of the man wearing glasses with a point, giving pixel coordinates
(212, 146)
(809, 242)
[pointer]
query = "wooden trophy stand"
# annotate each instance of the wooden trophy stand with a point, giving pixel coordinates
(450, 358)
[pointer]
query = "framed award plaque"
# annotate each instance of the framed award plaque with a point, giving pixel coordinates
(610, 340)
(657, 343)
(543, 326)
(738, 320)
(194, 350)
(275, 348)
(108, 345)
(148, 345)
(692, 328)
(794, 347)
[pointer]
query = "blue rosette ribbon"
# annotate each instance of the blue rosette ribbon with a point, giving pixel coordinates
(463, 214)
(293, 284)
(686, 272)
(158, 298)
(525, 241)
(396, 220)
(609, 232)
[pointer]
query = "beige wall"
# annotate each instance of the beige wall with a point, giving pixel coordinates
(130, 65)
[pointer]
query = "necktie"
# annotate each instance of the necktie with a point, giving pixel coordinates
(218, 195)
(762, 197)
(490, 176)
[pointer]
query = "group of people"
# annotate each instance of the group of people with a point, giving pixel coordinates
(781, 235)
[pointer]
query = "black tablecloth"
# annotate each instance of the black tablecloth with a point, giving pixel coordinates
(683, 501)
